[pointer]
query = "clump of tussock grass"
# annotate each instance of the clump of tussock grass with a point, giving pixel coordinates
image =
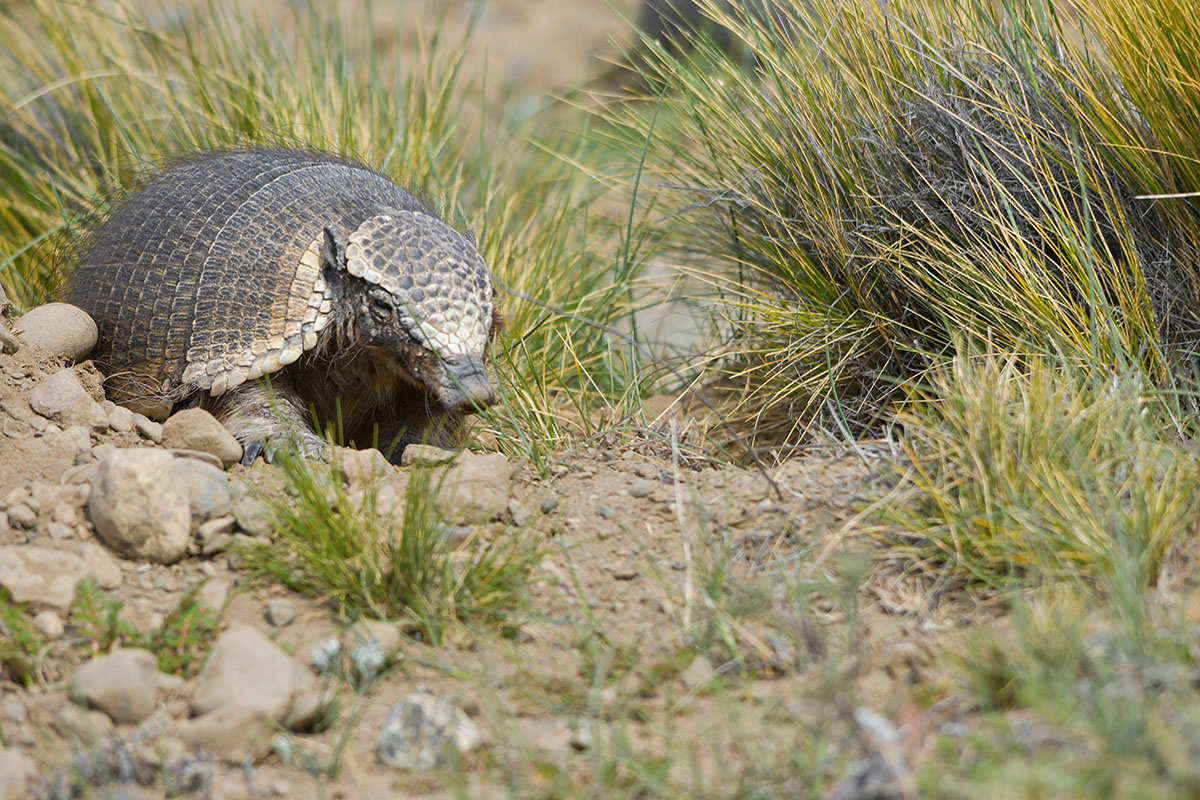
(1025, 468)
(888, 178)
(1074, 703)
(97, 97)
(385, 564)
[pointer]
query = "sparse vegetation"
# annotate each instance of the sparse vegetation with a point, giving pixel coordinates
(393, 561)
(180, 644)
(20, 642)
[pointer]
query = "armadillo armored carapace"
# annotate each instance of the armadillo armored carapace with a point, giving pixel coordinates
(275, 286)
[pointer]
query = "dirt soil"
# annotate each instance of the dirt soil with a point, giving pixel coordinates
(635, 543)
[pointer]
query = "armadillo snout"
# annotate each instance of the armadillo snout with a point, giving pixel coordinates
(467, 387)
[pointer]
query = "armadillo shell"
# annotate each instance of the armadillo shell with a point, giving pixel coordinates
(203, 266)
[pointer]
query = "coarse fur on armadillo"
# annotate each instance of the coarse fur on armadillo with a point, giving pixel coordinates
(345, 291)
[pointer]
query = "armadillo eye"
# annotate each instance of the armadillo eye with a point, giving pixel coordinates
(381, 304)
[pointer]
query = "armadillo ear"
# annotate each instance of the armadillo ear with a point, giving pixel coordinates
(333, 252)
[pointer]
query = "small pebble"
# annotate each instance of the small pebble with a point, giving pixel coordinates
(280, 612)
(148, 428)
(59, 531)
(581, 735)
(456, 534)
(640, 487)
(22, 516)
(549, 504)
(608, 512)
(647, 470)
(120, 419)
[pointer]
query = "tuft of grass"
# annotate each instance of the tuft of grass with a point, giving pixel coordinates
(1030, 468)
(1074, 703)
(370, 560)
(887, 178)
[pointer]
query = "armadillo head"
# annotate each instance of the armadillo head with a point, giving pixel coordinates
(419, 296)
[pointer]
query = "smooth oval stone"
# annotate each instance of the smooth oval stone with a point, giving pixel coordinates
(60, 329)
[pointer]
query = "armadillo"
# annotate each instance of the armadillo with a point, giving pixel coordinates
(289, 291)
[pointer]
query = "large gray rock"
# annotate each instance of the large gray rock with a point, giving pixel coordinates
(138, 508)
(247, 670)
(196, 429)
(475, 489)
(61, 398)
(123, 685)
(41, 577)
(60, 329)
(209, 492)
(423, 730)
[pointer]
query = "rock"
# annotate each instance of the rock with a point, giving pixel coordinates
(196, 429)
(361, 467)
(371, 644)
(138, 508)
(120, 419)
(248, 670)
(214, 594)
(641, 487)
(253, 515)
(148, 428)
(17, 772)
(580, 737)
(90, 727)
(425, 455)
(646, 470)
(60, 532)
(62, 398)
(41, 577)
(518, 513)
(123, 684)
(280, 612)
(474, 490)
(699, 673)
(49, 623)
(422, 731)
(209, 492)
(22, 516)
(549, 504)
(101, 566)
(59, 329)
(231, 733)
(65, 513)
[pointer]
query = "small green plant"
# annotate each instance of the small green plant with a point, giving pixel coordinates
(188, 632)
(20, 642)
(374, 562)
(180, 644)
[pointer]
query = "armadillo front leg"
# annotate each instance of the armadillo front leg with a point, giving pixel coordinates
(266, 419)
